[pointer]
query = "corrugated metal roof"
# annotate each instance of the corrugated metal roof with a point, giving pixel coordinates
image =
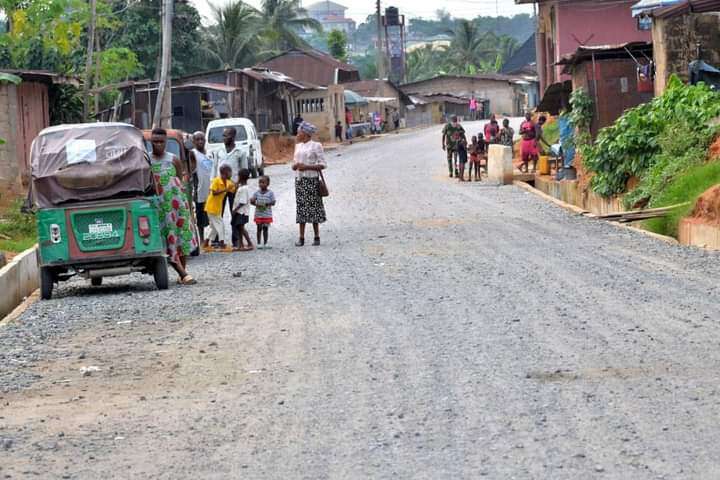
(484, 76)
(601, 52)
(311, 66)
(221, 87)
(688, 6)
(352, 98)
(43, 76)
(446, 98)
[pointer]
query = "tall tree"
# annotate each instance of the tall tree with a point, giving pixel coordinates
(232, 41)
(337, 45)
(140, 33)
(282, 20)
(472, 49)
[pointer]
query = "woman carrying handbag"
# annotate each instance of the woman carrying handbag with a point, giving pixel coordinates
(310, 186)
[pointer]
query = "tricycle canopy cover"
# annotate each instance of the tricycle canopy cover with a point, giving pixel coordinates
(90, 161)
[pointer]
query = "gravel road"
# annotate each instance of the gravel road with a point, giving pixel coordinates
(443, 330)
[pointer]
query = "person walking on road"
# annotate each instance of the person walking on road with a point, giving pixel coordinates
(529, 145)
(296, 123)
(308, 164)
(174, 205)
(452, 134)
(202, 176)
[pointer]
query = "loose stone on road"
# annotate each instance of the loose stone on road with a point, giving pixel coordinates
(442, 330)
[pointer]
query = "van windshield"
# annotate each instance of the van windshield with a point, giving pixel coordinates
(215, 134)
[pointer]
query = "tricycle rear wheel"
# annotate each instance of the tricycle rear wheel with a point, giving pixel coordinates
(47, 282)
(160, 272)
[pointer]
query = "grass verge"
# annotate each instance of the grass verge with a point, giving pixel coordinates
(686, 187)
(19, 228)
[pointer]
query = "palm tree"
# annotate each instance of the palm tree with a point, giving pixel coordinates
(426, 62)
(232, 40)
(282, 20)
(472, 49)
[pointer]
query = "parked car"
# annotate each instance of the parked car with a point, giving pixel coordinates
(97, 216)
(176, 144)
(247, 138)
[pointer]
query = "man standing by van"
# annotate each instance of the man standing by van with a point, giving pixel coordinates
(236, 158)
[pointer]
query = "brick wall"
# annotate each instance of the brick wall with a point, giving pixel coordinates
(675, 42)
(9, 172)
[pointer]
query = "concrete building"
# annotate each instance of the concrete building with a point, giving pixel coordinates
(565, 25)
(683, 33)
(323, 107)
(332, 16)
(500, 94)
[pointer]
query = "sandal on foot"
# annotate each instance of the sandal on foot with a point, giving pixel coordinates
(187, 280)
(316, 242)
(300, 243)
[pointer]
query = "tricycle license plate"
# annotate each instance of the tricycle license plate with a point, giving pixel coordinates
(99, 228)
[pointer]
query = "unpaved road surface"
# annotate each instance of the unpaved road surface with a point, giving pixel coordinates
(442, 331)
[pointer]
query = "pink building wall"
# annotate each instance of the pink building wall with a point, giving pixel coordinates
(589, 22)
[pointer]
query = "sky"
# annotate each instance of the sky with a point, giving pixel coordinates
(360, 9)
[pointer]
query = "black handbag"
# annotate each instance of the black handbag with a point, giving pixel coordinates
(322, 186)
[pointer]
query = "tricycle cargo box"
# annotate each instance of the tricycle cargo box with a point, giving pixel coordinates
(93, 161)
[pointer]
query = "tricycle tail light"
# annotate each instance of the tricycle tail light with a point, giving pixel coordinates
(144, 226)
(55, 236)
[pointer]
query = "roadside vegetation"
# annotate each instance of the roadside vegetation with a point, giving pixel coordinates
(662, 148)
(18, 231)
(685, 189)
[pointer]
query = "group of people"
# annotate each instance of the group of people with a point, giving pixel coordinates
(458, 149)
(221, 182)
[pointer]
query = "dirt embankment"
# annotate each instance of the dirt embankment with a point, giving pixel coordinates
(707, 208)
(277, 148)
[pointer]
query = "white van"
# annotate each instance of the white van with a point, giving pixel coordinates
(247, 138)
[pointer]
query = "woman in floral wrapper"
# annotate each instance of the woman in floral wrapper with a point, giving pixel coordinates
(174, 206)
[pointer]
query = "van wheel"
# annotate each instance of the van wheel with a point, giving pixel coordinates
(160, 272)
(96, 281)
(254, 172)
(47, 282)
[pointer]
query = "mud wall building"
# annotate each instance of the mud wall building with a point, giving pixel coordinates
(683, 33)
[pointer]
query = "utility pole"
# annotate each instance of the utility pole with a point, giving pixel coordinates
(163, 104)
(380, 59)
(89, 59)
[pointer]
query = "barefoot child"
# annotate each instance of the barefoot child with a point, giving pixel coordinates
(462, 158)
(241, 212)
(219, 188)
(263, 200)
(475, 151)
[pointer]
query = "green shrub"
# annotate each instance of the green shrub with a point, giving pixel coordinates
(631, 146)
(17, 225)
(681, 147)
(687, 186)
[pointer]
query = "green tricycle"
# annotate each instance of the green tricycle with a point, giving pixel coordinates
(96, 204)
